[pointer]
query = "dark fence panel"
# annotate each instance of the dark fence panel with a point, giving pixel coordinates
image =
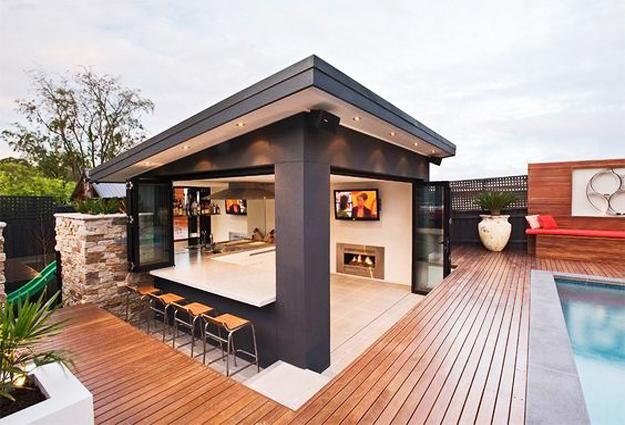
(29, 237)
(466, 213)
(30, 225)
(464, 192)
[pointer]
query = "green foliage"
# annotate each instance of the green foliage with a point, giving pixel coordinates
(495, 201)
(99, 206)
(77, 122)
(22, 327)
(19, 178)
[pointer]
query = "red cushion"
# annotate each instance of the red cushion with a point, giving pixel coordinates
(547, 222)
(620, 234)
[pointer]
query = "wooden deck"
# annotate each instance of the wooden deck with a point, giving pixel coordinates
(458, 357)
(134, 378)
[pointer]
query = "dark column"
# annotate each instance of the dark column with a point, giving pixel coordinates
(303, 263)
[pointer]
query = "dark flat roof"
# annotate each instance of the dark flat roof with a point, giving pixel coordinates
(310, 72)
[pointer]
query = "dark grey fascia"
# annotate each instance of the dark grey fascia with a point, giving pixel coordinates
(310, 72)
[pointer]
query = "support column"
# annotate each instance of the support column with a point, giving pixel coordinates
(303, 263)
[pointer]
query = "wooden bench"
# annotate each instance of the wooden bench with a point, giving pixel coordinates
(577, 244)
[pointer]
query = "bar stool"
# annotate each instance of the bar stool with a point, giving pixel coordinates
(160, 304)
(230, 324)
(140, 291)
(191, 313)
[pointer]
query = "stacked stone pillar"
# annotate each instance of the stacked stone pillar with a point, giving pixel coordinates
(94, 263)
(3, 257)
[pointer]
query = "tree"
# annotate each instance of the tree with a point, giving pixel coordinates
(77, 123)
(19, 178)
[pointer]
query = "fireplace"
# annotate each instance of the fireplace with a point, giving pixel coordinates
(360, 260)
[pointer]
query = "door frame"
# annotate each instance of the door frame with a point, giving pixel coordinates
(132, 195)
(446, 229)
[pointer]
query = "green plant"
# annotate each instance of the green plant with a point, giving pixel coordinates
(22, 327)
(19, 178)
(494, 201)
(99, 206)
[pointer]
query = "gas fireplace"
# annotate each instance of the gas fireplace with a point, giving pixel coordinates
(360, 260)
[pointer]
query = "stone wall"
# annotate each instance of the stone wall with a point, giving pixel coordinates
(94, 263)
(3, 257)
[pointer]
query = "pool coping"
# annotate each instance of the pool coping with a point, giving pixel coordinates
(554, 390)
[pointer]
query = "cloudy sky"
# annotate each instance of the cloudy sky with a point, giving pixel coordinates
(507, 81)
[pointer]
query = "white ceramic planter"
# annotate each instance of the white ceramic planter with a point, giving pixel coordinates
(494, 231)
(69, 402)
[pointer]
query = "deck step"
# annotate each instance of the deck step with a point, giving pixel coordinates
(287, 384)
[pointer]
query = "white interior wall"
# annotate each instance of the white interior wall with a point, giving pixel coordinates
(393, 231)
(259, 212)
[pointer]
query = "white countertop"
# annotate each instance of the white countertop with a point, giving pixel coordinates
(248, 277)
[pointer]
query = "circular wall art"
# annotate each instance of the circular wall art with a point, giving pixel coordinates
(605, 191)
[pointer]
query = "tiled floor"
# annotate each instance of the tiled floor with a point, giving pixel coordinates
(361, 310)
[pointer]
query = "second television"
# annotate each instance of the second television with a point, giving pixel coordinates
(356, 205)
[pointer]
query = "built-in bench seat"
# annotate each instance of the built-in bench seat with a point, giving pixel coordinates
(577, 244)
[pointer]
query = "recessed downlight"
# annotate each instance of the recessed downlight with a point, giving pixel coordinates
(240, 124)
(186, 147)
(147, 163)
(357, 118)
(392, 134)
(433, 150)
(416, 143)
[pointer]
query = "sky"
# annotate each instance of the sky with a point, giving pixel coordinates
(509, 82)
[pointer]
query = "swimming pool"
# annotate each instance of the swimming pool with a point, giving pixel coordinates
(595, 321)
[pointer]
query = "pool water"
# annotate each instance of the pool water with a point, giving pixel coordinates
(595, 321)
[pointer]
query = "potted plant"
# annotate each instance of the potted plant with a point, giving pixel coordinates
(494, 228)
(35, 385)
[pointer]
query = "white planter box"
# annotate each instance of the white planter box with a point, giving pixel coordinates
(69, 402)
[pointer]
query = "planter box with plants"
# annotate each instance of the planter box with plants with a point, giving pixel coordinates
(494, 229)
(36, 387)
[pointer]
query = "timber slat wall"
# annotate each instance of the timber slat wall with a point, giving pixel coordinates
(460, 356)
(549, 192)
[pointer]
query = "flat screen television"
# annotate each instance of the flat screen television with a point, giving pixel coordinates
(357, 205)
(236, 206)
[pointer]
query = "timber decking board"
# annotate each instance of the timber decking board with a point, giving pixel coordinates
(136, 378)
(474, 370)
(460, 356)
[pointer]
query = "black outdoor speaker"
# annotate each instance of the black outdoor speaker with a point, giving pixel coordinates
(319, 119)
(435, 160)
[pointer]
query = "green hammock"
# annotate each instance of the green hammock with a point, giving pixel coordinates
(35, 285)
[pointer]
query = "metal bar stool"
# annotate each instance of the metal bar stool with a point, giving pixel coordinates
(230, 324)
(139, 291)
(189, 315)
(159, 305)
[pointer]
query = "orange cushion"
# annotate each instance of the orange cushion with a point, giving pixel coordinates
(547, 222)
(620, 234)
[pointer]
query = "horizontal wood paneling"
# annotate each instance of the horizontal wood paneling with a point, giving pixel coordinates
(580, 248)
(549, 192)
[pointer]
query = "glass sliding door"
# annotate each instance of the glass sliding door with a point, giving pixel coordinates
(150, 232)
(431, 249)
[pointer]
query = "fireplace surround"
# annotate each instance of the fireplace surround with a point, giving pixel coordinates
(360, 260)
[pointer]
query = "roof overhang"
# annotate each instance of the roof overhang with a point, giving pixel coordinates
(307, 85)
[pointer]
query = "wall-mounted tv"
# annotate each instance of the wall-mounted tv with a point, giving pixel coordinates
(356, 205)
(236, 206)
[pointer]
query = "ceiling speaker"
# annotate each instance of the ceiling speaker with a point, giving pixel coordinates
(323, 120)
